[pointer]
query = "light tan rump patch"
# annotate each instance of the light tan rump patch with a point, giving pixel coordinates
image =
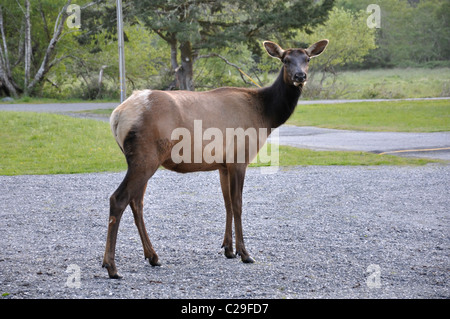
(129, 114)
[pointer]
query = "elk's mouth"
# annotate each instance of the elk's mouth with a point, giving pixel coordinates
(296, 83)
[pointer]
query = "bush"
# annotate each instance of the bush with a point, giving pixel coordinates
(92, 91)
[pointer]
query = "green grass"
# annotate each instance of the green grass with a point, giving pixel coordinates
(397, 83)
(290, 156)
(383, 83)
(39, 143)
(293, 156)
(106, 112)
(394, 116)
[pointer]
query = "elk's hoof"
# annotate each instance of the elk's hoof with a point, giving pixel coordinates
(229, 255)
(154, 263)
(248, 260)
(115, 276)
(112, 272)
(245, 257)
(228, 252)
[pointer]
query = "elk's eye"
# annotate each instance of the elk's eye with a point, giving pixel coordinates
(286, 61)
(308, 59)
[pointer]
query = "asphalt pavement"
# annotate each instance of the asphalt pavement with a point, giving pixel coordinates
(57, 107)
(434, 145)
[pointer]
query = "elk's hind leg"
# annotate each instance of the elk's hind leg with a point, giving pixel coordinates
(118, 201)
(137, 206)
(142, 165)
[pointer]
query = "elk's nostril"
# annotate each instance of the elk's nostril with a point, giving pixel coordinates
(300, 77)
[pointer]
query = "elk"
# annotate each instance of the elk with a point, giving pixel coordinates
(143, 126)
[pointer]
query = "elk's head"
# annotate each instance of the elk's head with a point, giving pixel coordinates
(295, 61)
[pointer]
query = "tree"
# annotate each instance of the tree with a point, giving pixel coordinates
(91, 71)
(194, 25)
(28, 55)
(432, 17)
(413, 32)
(350, 41)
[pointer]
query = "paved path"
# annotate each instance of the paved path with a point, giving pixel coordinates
(57, 107)
(377, 142)
(309, 137)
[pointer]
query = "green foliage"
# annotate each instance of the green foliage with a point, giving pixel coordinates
(45, 40)
(213, 72)
(432, 38)
(216, 24)
(411, 32)
(350, 39)
(146, 64)
(190, 27)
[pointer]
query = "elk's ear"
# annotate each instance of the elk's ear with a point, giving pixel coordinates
(317, 48)
(274, 49)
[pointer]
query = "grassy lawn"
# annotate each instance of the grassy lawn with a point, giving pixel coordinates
(393, 116)
(39, 143)
(393, 83)
(397, 83)
(292, 156)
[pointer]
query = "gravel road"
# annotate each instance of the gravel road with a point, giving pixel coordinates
(315, 232)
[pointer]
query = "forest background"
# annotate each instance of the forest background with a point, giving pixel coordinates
(53, 49)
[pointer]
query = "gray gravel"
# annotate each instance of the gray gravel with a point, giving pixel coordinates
(315, 232)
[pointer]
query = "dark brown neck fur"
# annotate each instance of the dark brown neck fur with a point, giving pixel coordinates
(279, 100)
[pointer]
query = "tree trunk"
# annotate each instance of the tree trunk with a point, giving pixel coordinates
(6, 82)
(184, 73)
(28, 51)
(44, 67)
(100, 81)
(173, 53)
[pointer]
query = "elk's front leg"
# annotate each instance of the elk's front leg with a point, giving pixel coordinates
(228, 237)
(236, 177)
